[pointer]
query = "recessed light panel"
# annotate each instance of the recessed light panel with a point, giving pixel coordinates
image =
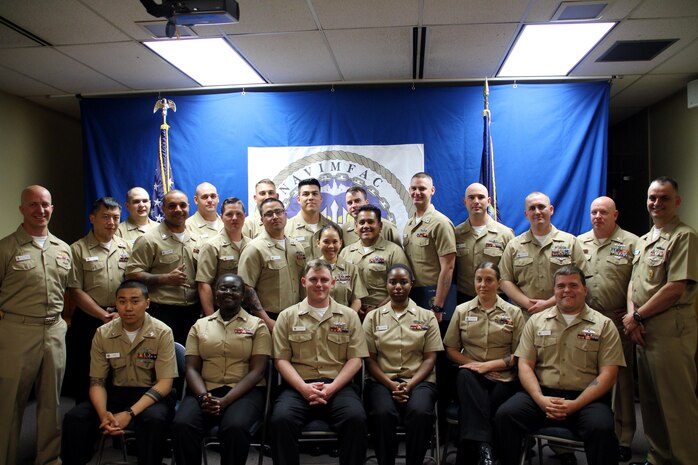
(210, 62)
(552, 49)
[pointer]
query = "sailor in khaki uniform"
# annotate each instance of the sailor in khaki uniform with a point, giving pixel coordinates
(138, 223)
(318, 347)
(227, 355)
(430, 244)
(661, 321)
(402, 341)
(221, 254)
(356, 198)
(372, 256)
(34, 269)
(478, 239)
(99, 263)
(568, 357)
(610, 251)
(264, 189)
(481, 339)
(305, 226)
(163, 259)
(531, 259)
(138, 351)
(273, 263)
(205, 223)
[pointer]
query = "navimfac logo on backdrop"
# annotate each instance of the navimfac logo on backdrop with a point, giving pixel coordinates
(383, 170)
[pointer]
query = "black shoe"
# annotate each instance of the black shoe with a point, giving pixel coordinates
(640, 463)
(486, 456)
(624, 453)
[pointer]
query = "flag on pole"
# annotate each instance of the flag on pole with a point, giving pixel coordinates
(487, 178)
(163, 182)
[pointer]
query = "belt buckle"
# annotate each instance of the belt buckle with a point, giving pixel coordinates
(49, 320)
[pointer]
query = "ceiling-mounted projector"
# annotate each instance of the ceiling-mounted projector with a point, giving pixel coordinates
(195, 12)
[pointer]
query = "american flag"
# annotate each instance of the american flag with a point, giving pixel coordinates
(163, 180)
(487, 178)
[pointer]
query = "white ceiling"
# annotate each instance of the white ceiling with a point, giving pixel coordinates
(96, 45)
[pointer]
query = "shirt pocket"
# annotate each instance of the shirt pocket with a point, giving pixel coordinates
(520, 262)
(617, 260)
(375, 276)
(169, 259)
(275, 265)
(338, 344)
(301, 346)
(493, 252)
(25, 265)
(227, 264)
(92, 274)
(560, 261)
(655, 269)
(586, 355)
(546, 348)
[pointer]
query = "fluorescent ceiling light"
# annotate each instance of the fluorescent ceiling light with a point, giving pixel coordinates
(552, 49)
(210, 62)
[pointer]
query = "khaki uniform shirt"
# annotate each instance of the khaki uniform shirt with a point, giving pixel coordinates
(610, 265)
(298, 230)
(372, 266)
(426, 241)
(33, 280)
(218, 257)
(531, 266)
(569, 357)
(199, 229)
(400, 343)
(318, 349)
(274, 273)
(471, 250)
(253, 225)
(130, 231)
(225, 347)
(348, 284)
(99, 271)
(671, 257)
(159, 252)
(486, 336)
(141, 363)
(389, 232)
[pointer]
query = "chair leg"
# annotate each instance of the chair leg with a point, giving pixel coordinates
(436, 448)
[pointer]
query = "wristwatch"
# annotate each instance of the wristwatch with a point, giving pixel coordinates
(637, 317)
(437, 308)
(131, 414)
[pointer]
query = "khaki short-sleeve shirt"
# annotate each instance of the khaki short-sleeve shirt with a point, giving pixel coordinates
(99, 271)
(373, 264)
(389, 232)
(673, 256)
(301, 232)
(253, 225)
(141, 363)
(531, 266)
(610, 266)
(199, 229)
(400, 342)
(217, 257)
(274, 272)
(225, 347)
(33, 280)
(471, 250)
(425, 241)
(569, 357)
(159, 252)
(348, 284)
(130, 231)
(486, 336)
(318, 349)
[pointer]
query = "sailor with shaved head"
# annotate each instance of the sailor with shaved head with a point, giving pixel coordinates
(138, 223)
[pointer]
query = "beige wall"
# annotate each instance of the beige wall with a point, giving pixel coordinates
(674, 150)
(40, 146)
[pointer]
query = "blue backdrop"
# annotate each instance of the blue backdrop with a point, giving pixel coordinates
(547, 137)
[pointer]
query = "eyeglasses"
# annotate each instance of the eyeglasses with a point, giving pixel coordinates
(271, 213)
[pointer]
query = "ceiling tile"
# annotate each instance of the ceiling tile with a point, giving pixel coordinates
(272, 16)
(617, 85)
(295, 57)
(131, 64)
(55, 69)
(373, 54)
(61, 22)
(543, 10)
(648, 90)
(466, 51)
(343, 14)
(683, 61)
(666, 9)
(66, 105)
(18, 84)
(473, 11)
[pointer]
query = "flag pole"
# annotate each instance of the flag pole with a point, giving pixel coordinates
(163, 172)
